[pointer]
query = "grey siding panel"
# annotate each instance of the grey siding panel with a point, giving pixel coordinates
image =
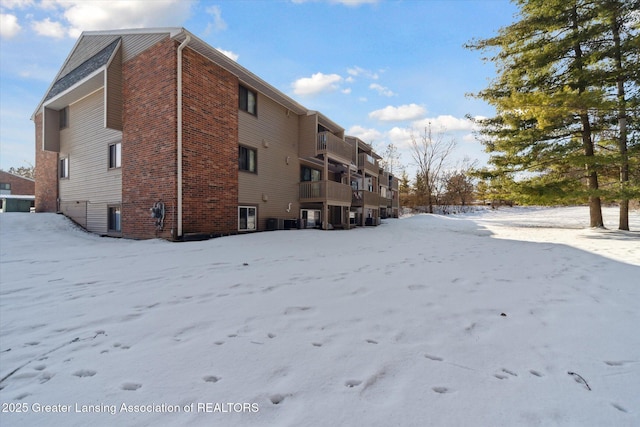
(274, 135)
(76, 210)
(86, 143)
(51, 134)
(87, 47)
(114, 92)
(134, 44)
(97, 217)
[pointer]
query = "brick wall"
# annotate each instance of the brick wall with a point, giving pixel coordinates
(149, 140)
(210, 146)
(19, 185)
(46, 185)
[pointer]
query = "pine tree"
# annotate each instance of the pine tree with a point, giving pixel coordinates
(551, 102)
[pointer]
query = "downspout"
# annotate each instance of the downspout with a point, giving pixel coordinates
(179, 135)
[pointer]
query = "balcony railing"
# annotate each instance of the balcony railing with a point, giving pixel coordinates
(368, 163)
(333, 146)
(365, 198)
(325, 191)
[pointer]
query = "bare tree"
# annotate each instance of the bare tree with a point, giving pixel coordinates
(430, 155)
(391, 159)
(460, 183)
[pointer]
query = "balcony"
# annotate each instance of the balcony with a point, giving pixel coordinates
(334, 147)
(368, 164)
(365, 198)
(333, 193)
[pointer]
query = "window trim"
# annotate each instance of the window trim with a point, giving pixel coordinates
(63, 167)
(255, 216)
(246, 161)
(118, 153)
(110, 229)
(243, 100)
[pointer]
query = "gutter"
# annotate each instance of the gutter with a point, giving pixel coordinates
(179, 135)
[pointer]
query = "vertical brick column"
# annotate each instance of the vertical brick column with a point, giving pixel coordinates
(46, 188)
(210, 146)
(149, 141)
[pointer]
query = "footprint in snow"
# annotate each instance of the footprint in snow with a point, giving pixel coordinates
(211, 379)
(535, 373)
(441, 390)
(84, 373)
(619, 408)
(372, 341)
(352, 383)
(436, 358)
(130, 386)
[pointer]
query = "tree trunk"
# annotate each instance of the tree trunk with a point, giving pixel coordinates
(622, 122)
(595, 208)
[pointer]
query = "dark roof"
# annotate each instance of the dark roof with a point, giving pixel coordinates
(83, 70)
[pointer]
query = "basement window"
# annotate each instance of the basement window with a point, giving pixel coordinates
(114, 219)
(246, 218)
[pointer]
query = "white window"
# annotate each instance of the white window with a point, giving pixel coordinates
(115, 155)
(64, 167)
(311, 217)
(246, 218)
(114, 218)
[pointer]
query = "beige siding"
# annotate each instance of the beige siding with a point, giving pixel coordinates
(51, 134)
(86, 143)
(113, 117)
(308, 135)
(274, 134)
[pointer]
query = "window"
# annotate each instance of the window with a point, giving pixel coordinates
(115, 155)
(308, 174)
(247, 159)
(248, 101)
(64, 117)
(114, 218)
(5, 186)
(64, 167)
(246, 218)
(311, 217)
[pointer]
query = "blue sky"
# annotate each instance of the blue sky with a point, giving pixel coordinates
(381, 69)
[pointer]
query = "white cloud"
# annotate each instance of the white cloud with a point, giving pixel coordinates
(385, 91)
(400, 137)
(49, 28)
(218, 23)
(16, 4)
(367, 135)
(447, 123)
(346, 91)
(359, 71)
(9, 26)
(401, 113)
(85, 15)
(317, 83)
(229, 54)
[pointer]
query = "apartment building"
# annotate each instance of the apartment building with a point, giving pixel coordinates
(154, 133)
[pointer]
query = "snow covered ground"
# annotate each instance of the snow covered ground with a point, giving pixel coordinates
(507, 317)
